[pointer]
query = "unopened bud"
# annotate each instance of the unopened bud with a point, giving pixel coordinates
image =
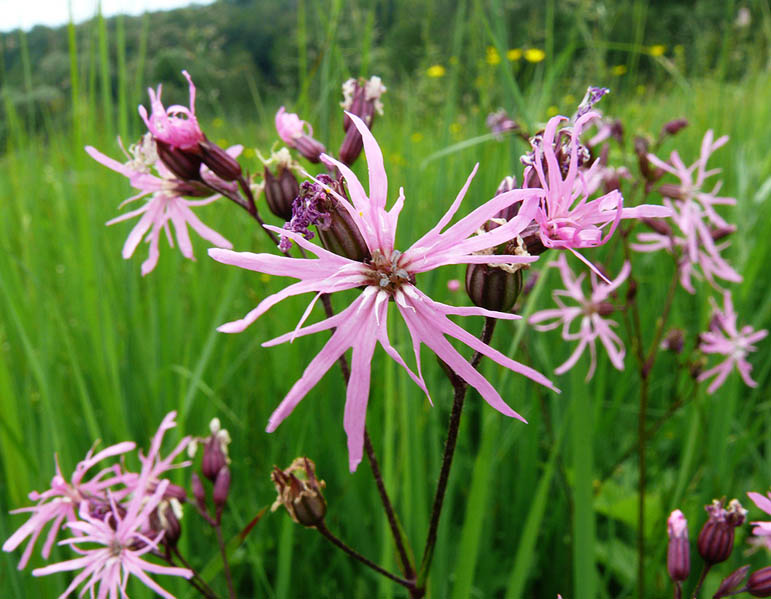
(759, 584)
(672, 191)
(221, 487)
(213, 458)
(183, 163)
(493, 286)
(716, 539)
(351, 146)
(219, 161)
(300, 495)
(678, 550)
(673, 127)
(508, 184)
(731, 583)
(175, 492)
(199, 492)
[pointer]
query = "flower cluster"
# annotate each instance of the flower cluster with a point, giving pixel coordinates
(114, 517)
(174, 159)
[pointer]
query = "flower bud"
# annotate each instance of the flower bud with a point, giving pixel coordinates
(297, 134)
(219, 161)
(731, 583)
(281, 191)
(166, 518)
(175, 492)
(198, 492)
(213, 459)
(716, 539)
(678, 550)
(759, 584)
(301, 496)
(183, 163)
(493, 286)
(673, 127)
(362, 98)
(657, 224)
(317, 205)
(221, 487)
(351, 146)
(719, 233)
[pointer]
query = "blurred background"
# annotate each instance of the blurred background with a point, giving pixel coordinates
(91, 350)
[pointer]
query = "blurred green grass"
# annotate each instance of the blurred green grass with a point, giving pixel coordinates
(90, 349)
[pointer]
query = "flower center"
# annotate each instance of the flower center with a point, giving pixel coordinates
(386, 272)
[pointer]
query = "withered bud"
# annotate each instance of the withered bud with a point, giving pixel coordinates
(605, 308)
(673, 127)
(508, 184)
(300, 495)
(183, 163)
(716, 539)
(166, 518)
(731, 583)
(221, 487)
(199, 492)
(219, 161)
(678, 549)
(338, 232)
(759, 584)
(492, 286)
(351, 147)
(362, 98)
(280, 191)
(674, 341)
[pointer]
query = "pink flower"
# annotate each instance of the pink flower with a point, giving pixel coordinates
(298, 134)
(694, 246)
(111, 547)
(180, 132)
(725, 338)
(762, 529)
(694, 177)
(166, 204)
(591, 311)
(290, 127)
(61, 501)
(389, 274)
(566, 216)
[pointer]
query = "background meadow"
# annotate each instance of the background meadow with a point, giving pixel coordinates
(89, 349)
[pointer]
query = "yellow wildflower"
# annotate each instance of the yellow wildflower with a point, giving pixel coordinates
(514, 54)
(619, 69)
(264, 278)
(657, 50)
(534, 55)
(436, 71)
(217, 122)
(455, 128)
(492, 56)
(417, 137)
(552, 111)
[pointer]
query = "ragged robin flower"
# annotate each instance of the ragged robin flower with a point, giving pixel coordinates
(388, 275)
